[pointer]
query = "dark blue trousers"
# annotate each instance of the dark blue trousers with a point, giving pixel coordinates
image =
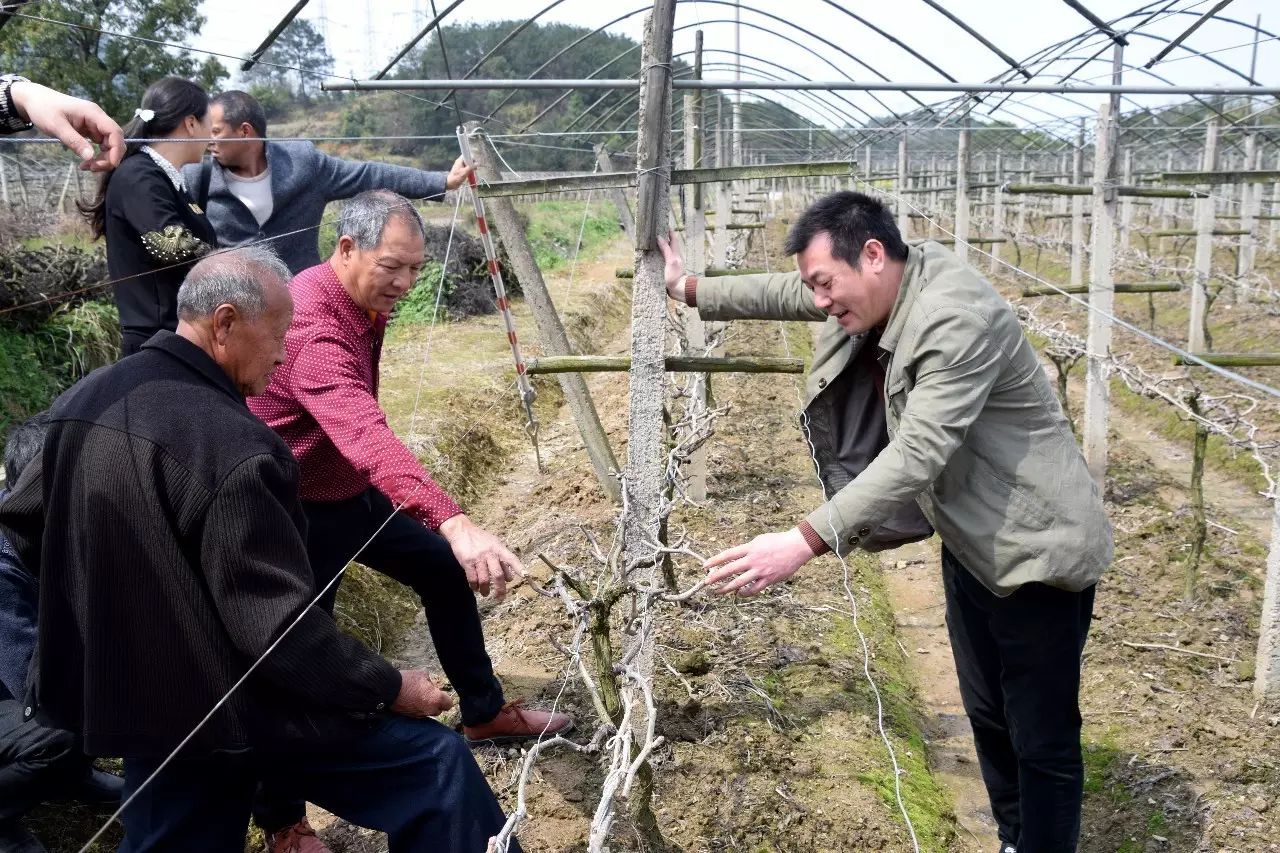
(416, 780)
(337, 533)
(1018, 662)
(19, 609)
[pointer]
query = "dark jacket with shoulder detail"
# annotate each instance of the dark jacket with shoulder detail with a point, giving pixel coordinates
(162, 519)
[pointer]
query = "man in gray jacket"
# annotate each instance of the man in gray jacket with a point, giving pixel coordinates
(255, 189)
(924, 394)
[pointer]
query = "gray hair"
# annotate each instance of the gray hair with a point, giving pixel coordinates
(231, 277)
(365, 217)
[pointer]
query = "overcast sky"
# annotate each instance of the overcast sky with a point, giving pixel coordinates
(363, 36)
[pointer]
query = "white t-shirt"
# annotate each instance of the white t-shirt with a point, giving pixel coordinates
(254, 192)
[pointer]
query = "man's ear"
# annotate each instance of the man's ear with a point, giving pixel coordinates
(346, 245)
(873, 253)
(224, 317)
(246, 129)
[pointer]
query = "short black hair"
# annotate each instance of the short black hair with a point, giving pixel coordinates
(851, 219)
(22, 445)
(240, 107)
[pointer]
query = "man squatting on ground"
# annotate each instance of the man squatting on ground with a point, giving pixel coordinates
(255, 189)
(163, 521)
(926, 399)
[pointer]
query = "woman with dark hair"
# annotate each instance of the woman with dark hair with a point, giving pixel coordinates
(154, 232)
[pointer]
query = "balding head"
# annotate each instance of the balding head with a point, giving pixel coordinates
(235, 305)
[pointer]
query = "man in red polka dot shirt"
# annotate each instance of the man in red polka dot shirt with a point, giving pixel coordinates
(366, 496)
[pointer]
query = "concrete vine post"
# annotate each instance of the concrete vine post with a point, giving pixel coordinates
(1266, 684)
(695, 333)
(962, 195)
(997, 213)
(550, 329)
(1097, 401)
(1251, 196)
(1204, 247)
(647, 432)
(904, 218)
(628, 221)
(1077, 211)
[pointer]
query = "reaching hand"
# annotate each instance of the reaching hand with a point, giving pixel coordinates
(674, 272)
(488, 563)
(458, 174)
(762, 562)
(74, 122)
(420, 696)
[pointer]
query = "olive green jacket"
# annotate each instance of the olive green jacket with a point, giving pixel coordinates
(976, 434)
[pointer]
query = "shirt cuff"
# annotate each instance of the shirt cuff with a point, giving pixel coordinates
(691, 291)
(812, 539)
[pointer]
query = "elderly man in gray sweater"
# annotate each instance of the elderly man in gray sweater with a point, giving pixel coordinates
(255, 189)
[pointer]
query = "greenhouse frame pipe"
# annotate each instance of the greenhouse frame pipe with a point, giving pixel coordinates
(1200, 21)
(599, 122)
(1013, 63)
(1099, 24)
(801, 86)
(435, 22)
(760, 12)
(273, 35)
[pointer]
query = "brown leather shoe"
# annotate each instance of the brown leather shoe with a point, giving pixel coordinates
(299, 838)
(515, 723)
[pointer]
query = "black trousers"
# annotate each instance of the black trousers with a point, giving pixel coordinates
(420, 558)
(37, 762)
(1018, 662)
(416, 780)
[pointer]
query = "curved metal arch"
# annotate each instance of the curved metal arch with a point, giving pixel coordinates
(598, 123)
(729, 3)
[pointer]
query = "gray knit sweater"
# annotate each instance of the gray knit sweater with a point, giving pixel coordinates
(303, 180)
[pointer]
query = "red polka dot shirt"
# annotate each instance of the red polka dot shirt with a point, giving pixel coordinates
(323, 401)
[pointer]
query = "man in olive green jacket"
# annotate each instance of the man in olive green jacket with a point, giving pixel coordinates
(926, 398)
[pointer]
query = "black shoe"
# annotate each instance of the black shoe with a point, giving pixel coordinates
(15, 839)
(99, 788)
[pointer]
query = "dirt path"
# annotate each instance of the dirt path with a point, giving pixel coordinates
(914, 582)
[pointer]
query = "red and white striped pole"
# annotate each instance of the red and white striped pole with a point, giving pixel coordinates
(527, 394)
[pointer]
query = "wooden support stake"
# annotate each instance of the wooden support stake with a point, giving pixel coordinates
(1232, 359)
(962, 196)
(672, 364)
(1123, 287)
(618, 194)
(1204, 246)
(550, 329)
(1097, 395)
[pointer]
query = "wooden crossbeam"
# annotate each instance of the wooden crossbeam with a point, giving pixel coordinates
(710, 272)
(1232, 359)
(604, 181)
(1119, 287)
(674, 364)
(1239, 176)
(1083, 189)
(1191, 232)
(984, 241)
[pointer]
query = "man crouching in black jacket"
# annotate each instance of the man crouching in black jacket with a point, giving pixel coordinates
(162, 520)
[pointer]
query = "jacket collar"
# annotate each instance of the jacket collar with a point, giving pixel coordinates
(911, 280)
(198, 360)
(280, 164)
